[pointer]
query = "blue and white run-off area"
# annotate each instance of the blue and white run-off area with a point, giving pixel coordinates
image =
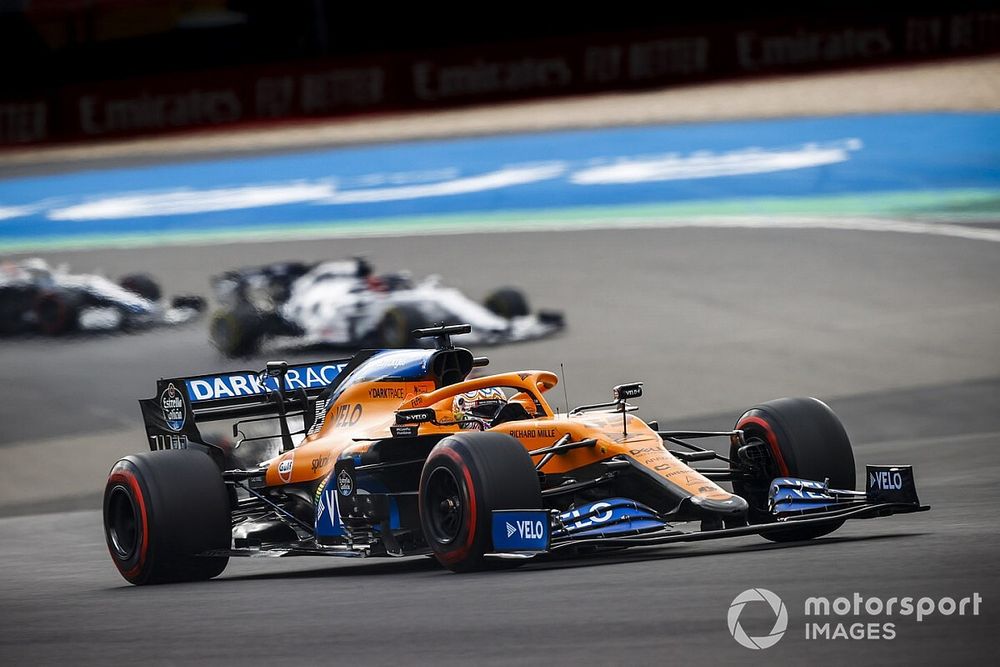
(910, 172)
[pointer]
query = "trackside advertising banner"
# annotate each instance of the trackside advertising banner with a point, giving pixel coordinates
(487, 73)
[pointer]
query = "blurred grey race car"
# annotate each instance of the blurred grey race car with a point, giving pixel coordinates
(38, 298)
(344, 303)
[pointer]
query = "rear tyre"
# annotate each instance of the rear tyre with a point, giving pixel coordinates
(236, 333)
(792, 437)
(142, 284)
(466, 477)
(508, 302)
(162, 509)
(397, 325)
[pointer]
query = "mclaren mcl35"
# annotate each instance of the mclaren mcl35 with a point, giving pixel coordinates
(404, 452)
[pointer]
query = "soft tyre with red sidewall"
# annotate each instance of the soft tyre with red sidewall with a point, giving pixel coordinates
(805, 439)
(473, 474)
(162, 509)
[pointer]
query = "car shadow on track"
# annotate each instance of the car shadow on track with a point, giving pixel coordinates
(672, 552)
(373, 567)
(422, 565)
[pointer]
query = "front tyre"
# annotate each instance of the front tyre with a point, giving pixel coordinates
(466, 477)
(792, 437)
(162, 509)
(508, 302)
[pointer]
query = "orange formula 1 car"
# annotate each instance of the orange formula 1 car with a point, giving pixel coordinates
(399, 452)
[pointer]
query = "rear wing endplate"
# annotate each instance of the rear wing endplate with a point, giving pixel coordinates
(171, 416)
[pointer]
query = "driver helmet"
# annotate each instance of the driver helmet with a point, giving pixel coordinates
(478, 408)
(36, 267)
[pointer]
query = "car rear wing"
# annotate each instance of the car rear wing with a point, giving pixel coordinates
(171, 417)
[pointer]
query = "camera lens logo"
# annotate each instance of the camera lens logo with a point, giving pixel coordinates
(780, 618)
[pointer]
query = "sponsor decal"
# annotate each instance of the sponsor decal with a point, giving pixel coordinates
(890, 484)
(240, 385)
(520, 530)
(886, 480)
(285, 468)
(382, 393)
(346, 415)
(172, 403)
(345, 484)
(614, 515)
(626, 391)
(649, 456)
(319, 462)
(528, 530)
(415, 416)
(603, 514)
(407, 431)
(526, 433)
(327, 519)
(397, 363)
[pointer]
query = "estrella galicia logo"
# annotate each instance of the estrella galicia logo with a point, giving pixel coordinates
(344, 483)
(172, 404)
(780, 618)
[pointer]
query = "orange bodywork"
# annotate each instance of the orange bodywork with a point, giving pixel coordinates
(364, 413)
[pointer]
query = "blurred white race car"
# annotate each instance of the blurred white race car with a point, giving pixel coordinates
(38, 298)
(345, 304)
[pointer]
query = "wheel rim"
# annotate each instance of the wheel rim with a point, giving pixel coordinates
(445, 509)
(755, 491)
(123, 523)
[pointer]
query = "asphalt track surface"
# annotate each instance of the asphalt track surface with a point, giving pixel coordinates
(900, 333)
